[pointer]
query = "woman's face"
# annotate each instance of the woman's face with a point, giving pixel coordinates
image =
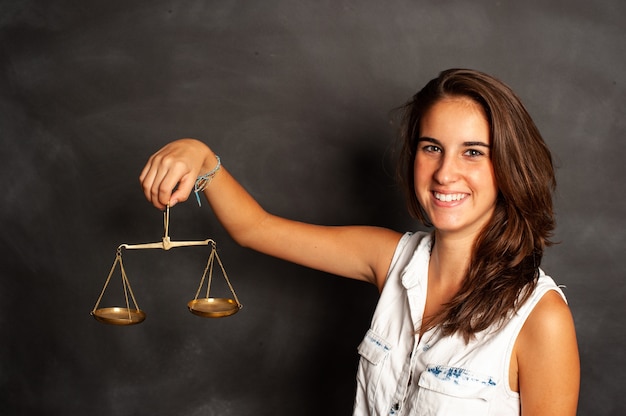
(454, 178)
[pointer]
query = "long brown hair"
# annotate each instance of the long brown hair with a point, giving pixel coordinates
(506, 255)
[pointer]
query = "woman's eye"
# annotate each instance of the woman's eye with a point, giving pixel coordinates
(431, 148)
(473, 153)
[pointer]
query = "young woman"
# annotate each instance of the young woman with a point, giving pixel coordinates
(467, 323)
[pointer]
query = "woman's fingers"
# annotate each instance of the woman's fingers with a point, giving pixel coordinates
(170, 173)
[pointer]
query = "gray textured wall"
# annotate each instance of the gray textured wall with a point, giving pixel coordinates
(295, 97)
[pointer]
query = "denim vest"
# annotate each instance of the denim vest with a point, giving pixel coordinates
(439, 375)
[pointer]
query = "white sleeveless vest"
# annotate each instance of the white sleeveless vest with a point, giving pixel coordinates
(439, 375)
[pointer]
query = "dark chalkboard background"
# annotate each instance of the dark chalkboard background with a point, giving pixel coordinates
(295, 96)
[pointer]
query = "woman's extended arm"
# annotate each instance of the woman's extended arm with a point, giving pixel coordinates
(358, 252)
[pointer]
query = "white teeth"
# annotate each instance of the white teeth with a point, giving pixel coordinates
(449, 197)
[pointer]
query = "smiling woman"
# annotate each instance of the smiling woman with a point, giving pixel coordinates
(519, 169)
(467, 322)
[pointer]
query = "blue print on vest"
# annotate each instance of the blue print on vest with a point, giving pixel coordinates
(458, 375)
(377, 342)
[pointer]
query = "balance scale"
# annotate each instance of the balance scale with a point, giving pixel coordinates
(206, 307)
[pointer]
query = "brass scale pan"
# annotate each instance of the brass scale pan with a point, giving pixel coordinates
(207, 307)
(204, 307)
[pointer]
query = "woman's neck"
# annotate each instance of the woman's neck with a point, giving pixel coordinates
(450, 259)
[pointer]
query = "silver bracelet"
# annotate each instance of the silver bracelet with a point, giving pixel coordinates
(204, 180)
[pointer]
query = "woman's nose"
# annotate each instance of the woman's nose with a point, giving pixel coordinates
(447, 170)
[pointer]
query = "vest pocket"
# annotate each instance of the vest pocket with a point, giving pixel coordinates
(374, 351)
(448, 390)
(374, 348)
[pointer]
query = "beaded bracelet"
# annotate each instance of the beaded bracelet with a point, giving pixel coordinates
(204, 180)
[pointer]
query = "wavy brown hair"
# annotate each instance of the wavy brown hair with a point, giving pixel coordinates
(503, 268)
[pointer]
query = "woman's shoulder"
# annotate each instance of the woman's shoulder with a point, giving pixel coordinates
(412, 249)
(550, 313)
(410, 244)
(547, 309)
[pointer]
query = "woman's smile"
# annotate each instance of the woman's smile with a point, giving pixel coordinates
(443, 197)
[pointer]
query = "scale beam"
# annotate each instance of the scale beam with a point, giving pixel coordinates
(166, 244)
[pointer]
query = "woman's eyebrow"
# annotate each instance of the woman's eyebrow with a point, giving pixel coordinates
(468, 144)
(438, 143)
(429, 139)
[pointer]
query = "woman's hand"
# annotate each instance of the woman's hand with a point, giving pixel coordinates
(170, 173)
